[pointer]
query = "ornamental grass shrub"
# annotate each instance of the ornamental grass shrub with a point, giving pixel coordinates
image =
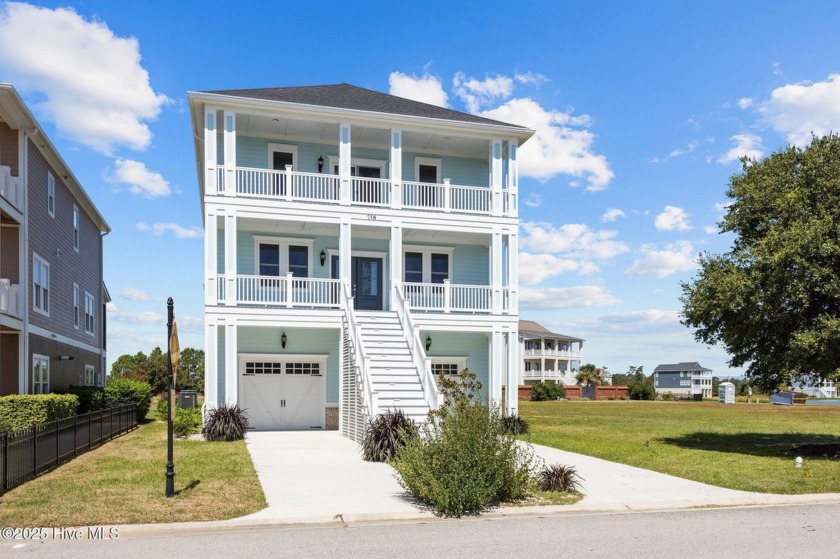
(464, 461)
(386, 434)
(226, 423)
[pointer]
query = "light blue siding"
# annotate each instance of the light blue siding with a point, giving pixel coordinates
(301, 341)
(246, 257)
(220, 363)
(470, 263)
(472, 345)
(459, 170)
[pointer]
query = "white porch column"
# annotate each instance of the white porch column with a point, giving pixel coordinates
(230, 259)
(497, 367)
(344, 165)
(345, 254)
(231, 364)
(211, 157)
(211, 269)
(513, 365)
(230, 153)
(512, 178)
(496, 271)
(496, 176)
(211, 367)
(396, 261)
(513, 273)
(396, 168)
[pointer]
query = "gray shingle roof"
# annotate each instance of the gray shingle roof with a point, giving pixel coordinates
(346, 96)
(527, 327)
(688, 366)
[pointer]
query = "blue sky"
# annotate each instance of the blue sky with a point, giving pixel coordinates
(641, 112)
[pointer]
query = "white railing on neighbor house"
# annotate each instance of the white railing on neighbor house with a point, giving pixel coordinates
(361, 359)
(448, 297)
(9, 298)
(291, 185)
(10, 187)
(562, 354)
(547, 375)
(418, 353)
(282, 291)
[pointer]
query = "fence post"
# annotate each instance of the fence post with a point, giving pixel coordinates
(75, 439)
(34, 451)
(90, 434)
(56, 441)
(5, 474)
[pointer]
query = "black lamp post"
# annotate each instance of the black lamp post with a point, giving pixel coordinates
(170, 460)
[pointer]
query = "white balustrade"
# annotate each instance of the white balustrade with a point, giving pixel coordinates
(286, 291)
(418, 354)
(10, 188)
(371, 192)
(448, 297)
(9, 298)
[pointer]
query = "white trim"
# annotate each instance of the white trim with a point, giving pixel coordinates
(92, 381)
(45, 386)
(431, 162)
(283, 148)
(36, 308)
(381, 164)
(51, 194)
(459, 360)
(427, 252)
(353, 253)
(47, 334)
(284, 243)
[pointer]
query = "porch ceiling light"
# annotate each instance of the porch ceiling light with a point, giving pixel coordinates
(323, 257)
(320, 163)
(283, 340)
(428, 343)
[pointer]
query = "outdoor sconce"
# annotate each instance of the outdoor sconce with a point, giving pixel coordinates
(323, 257)
(65, 357)
(320, 163)
(428, 343)
(283, 340)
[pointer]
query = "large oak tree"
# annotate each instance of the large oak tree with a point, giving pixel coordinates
(773, 300)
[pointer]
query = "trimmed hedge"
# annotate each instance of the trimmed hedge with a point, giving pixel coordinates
(91, 398)
(545, 391)
(24, 410)
(122, 392)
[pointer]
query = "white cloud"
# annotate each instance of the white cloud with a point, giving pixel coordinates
(693, 145)
(535, 268)
(612, 214)
(676, 257)
(644, 319)
(139, 179)
(110, 307)
(479, 93)
(797, 110)
(426, 88)
(134, 294)
(721, 207)
(559, 146)
(533, 200)
(94, 87)
(672, 218)
(530, 78)
(573, 240)
(142, 317)
(534, 298)
(711, 229)
(187, 323)
(180, 232)
(746, 145)
(745, 103)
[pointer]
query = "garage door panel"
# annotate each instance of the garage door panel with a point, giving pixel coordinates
(260, 396)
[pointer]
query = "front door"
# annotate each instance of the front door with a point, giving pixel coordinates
(367, 283)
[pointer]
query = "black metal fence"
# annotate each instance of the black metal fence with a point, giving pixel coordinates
(31, 452)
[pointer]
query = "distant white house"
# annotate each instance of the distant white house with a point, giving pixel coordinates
(817, 388)
(686, 379)
(546, 355)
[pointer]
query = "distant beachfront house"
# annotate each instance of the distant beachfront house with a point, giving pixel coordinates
(817, 388)
(687, 379)
(548, 356)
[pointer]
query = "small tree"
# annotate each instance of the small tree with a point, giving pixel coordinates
(589, 375)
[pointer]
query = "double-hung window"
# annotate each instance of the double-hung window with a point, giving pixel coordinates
(76, 306)
(76, 227)
(427, 266)
(40, 374)
(40, 285)
(276, 257)
(89, 306)
(51, 194)
(89, 379)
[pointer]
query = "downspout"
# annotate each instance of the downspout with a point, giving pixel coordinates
(23, 169)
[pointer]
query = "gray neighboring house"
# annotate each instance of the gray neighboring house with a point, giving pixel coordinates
(686, 379)
(52, 297)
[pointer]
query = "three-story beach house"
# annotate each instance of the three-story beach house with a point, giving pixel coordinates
(356, 244)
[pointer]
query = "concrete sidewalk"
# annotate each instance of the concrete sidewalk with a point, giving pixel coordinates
(316, 477)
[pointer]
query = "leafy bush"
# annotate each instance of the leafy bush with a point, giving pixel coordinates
(386, 434)
(668, 397)
(91, 398)
(161, 408)
(186, 422)
(558, 477)
(464, 461)
(122, 392)
(24, 410)
(545, 391)
(641, 390)
(226, 423)
(515, 425)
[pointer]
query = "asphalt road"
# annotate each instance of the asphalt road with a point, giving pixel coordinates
(782, 531)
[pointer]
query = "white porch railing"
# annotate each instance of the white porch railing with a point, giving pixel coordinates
(418, 354)
(10, 187)
(283, 291)
(9, 298)
(361, 360)
(546, 375)
(552, 353)
(294, 185)
(448, 297)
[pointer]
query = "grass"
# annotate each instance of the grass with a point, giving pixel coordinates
(750, 447)
(122, 482)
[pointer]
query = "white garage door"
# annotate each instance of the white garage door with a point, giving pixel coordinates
(287, 393)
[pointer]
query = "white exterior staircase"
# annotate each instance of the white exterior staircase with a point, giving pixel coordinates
(392, 372)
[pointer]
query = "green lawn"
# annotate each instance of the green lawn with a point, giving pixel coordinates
(122, 482)
(743, 446)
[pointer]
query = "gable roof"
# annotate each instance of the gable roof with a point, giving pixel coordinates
(529, 328)
(687, 366)
(347, 96)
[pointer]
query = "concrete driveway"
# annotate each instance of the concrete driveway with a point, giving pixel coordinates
(319, 476)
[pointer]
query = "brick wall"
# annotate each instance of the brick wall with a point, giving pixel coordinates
(573, 392)
(331, 419)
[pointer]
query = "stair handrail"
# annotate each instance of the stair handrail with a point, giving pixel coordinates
(361, 361)
(418, 353)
